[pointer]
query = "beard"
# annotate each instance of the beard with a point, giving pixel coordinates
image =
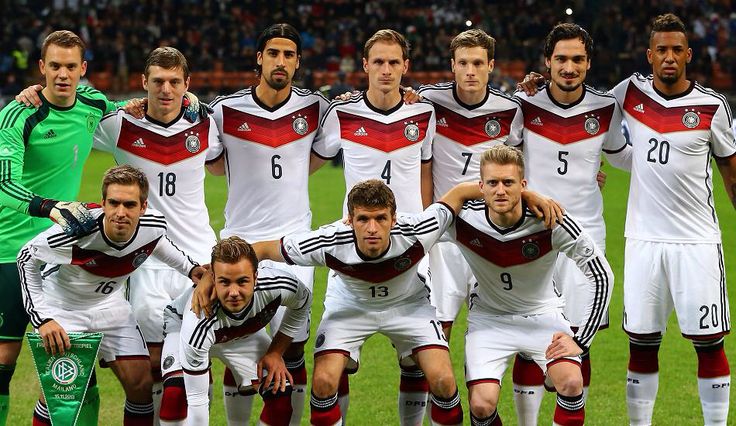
(568, 88)
(278, 84)
(669, 79)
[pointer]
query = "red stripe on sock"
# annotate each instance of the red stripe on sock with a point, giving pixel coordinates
(450, 416)
(299, 375)
(173, 403)
(643, 359)
(228, 379)
(585, 369)
(344, 387)
(713, 364)
(277, 411)
(527, 372)
(569, 418)
(325, 417)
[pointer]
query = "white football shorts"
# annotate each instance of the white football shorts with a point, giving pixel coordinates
(689, 278)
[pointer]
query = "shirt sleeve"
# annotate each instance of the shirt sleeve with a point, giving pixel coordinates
(431, 224)
(517, 126)
(215, 143)
(615, 147)
(328, 142)
(107, 132)
(571, 239)
(308, 249)
(171, 255)
(722, 135)
(429, 137)
(297, 299)
(31, 258)
(13, 194)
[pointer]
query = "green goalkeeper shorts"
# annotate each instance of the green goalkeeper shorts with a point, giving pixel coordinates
(13, 317)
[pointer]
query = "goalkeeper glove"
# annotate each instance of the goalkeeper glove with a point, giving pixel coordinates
(195, 110)
(73, 216)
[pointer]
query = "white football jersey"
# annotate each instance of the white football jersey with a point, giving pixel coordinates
(389, 279)
(173, 158)
(562, 147)
(274, 287)
(267, 153)
(514, 265)
(671, 193)
(465, 131)
(90, 270)
(388, 145)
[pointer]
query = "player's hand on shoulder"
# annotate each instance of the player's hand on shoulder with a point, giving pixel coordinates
(73, 217)
(198, 272)
(277, 377)
(411, 96)
(563, 345)
(55, 339)
(29, 96)
(544, 208)
(136, 107)
(204, 294)
(346, 96)
(194, 110)
(530, 84)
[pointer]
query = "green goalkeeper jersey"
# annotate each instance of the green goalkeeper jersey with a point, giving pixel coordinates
(42, 153)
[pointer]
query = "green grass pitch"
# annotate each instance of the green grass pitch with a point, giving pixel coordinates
(374, 388)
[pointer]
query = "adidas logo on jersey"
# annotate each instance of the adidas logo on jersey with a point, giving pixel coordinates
(361, 132)
(537, 121)
(244, 127)
(476, 242)
(50, 134)
(138, 143)
(639, 108)
(442, 122)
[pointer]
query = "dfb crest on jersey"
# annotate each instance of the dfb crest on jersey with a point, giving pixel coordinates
(300, 125)
(592, 125)
(493, 128)
(168, 362)
(411, 131)
(91, 123)
(402, 263)
(192, 143)
(139, 259)
(690, 119)
(530, 249)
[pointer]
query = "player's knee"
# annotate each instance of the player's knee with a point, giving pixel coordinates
(324, 384)
(139, 387)
(570, 384)
(481, 406)
(443, 384)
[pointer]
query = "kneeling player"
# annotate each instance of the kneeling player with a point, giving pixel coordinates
(246, 300)
(515, 306)
(81, 289)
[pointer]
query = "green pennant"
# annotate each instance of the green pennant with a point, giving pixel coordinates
(64, 378)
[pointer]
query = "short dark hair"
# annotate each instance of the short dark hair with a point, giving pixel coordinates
(473, 38)
(371, 193)
(279, 31)
(667, 23)
(567, 31)
(125, 175)
(389, 37)
(167, 58)
(63, 38)
(232, 250)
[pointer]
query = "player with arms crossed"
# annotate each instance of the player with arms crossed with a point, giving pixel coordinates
(471, 117)
(674, 257)
(267, 133)
(515, 306)
(172, 151)
(42, 154)
(76, 284)
(382, 137)
(247, 296)
(566, 128)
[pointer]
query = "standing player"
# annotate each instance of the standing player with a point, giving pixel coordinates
(673, 242)
(81, 288)
(235, 331)
(515, 307)
(42, 153)
(566, 127)
(381, 137)
(172, 151)
(267, 133)
(471, 117)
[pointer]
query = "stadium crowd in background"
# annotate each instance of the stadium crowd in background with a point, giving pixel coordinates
(120, 33)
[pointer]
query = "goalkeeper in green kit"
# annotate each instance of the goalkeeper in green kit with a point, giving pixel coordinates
(42, 155)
